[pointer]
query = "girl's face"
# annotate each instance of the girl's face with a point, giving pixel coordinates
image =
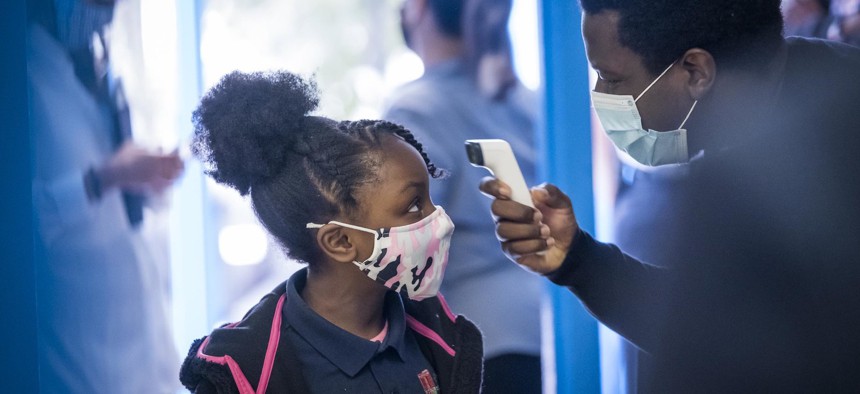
(399, 196)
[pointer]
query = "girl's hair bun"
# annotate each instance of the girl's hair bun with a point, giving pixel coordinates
(247, 124)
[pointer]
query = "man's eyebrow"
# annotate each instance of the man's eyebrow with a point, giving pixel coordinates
(603, 68)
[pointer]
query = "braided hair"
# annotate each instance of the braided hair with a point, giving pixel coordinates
(254, 133)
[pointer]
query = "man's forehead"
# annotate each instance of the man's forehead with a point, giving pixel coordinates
(603, 47)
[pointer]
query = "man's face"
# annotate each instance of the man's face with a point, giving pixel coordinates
(407, 21)
(621, 71)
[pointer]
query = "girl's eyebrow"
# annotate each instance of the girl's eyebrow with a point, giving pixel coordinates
(412, 185)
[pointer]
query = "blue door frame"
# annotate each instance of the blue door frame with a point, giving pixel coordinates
(567, 163)
(18, 360)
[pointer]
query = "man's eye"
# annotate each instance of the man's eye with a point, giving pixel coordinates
(608, 80)
(416, 206)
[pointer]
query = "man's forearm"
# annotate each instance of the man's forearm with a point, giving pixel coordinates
(623, 293)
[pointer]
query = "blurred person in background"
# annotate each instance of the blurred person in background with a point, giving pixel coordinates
(836, 20)
(469, 90)
(103, 325)
(845, 22)
(806, 18)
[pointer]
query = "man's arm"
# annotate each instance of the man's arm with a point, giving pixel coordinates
(623, 293)
(68, 199)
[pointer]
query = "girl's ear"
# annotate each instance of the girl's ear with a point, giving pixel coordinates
(336, 243)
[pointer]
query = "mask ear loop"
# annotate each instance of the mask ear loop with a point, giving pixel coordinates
(653, 82)
(688, 114)
(316, 225)
(359, 228)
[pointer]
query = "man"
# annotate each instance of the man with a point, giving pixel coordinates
(469, 90)
(758, 288)
(103, 325)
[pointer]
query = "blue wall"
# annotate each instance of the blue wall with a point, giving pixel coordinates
(566, 147)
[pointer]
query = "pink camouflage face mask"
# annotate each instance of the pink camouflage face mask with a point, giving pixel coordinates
(409, 259)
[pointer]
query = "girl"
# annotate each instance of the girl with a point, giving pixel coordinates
(350, 199)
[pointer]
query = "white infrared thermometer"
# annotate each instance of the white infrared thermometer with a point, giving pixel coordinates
(496, 155)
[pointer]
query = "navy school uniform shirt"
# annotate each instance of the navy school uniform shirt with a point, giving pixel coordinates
(337, 361)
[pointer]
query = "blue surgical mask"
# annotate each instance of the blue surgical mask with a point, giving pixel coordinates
(623, 125)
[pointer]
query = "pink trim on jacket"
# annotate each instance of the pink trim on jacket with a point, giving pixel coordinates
(274, 338)
(239, 377)
(269, 361)
(429, 334)
(447, 309)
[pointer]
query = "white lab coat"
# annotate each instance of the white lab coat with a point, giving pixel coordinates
(103, 325)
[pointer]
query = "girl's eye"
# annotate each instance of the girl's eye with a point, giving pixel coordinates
(416, 206)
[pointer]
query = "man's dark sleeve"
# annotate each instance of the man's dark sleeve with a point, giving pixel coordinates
(623, 293)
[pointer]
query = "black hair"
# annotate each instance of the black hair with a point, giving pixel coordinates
(739, 34)
(449, 16)
(486, 38)
(482, 25)
(254, 133)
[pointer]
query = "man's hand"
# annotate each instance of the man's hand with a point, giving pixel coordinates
(537, 239)
(133, 168)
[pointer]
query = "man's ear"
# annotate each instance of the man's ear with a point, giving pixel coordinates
(336, 243)
(702, 70)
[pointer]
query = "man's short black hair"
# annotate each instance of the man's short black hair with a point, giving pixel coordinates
(449, 16)
(741, 34)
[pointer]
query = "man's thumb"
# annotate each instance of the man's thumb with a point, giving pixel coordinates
(551, 196)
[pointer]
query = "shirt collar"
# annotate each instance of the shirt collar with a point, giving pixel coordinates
(350, 353)
(453, 66)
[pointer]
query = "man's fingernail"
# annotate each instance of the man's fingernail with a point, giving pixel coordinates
(544, 231)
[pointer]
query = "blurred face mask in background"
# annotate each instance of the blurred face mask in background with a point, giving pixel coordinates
(623, 125)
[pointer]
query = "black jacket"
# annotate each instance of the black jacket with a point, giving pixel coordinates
(747, 277)
(231, 358)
